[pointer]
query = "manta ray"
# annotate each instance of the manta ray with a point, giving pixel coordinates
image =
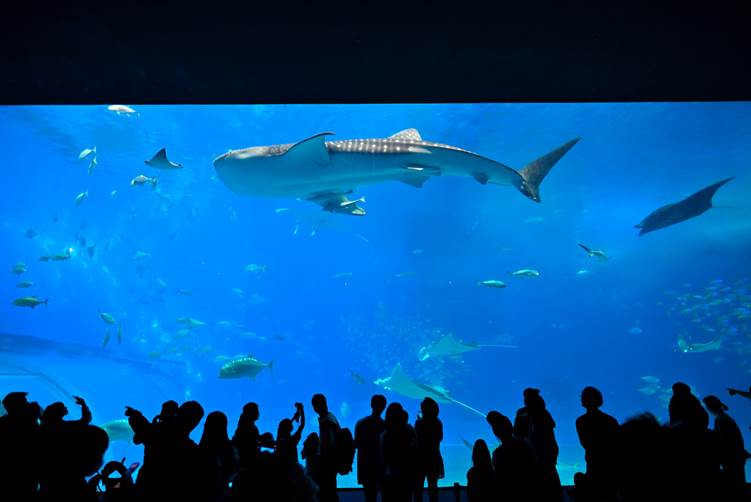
(325, 172)
(160, 161)
(447, 345)
(690, 207)
(402, 384)
(686, 346)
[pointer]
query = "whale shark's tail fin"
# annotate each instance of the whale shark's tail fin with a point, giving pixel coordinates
(534, 172)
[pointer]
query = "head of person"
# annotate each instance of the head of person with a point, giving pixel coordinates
(169, 410)
(319, 404)
(15, 403)
(251, 412)
(714, 405)
(394, 414)
(378, 404)
(54, 413)
(89, 444)
(215, 428)
(429, 408)
(591, 398)
(681, 389)
(189, 415)
(285, 429)
(531, 396)
(501, 425)
(310, 445)
(481, 454)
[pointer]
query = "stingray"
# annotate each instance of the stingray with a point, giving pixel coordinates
(448, 346)
(402, 384)
(690, 207)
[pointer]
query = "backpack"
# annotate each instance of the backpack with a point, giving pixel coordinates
(345, 451)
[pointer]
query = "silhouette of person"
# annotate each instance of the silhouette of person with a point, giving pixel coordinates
(398, 452)
(692, 452)
(116, 489)
(310, 455)
(286, 441)
(19, 437)
(535, 423)
(429, 433)
(246, 437)
(53, 414)
(328, 431)
(732, 453)
(481, 482)
(642, 472)
(597, 434)
(217, 448)
(76, 451)
(368, 444)
(515, 462)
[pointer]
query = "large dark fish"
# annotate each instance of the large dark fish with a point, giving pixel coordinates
(690, 207)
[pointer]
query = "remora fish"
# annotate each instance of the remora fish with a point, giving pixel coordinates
(690, 207)
(28, 301)
(324, 172)
(160, 161)
(244, 367)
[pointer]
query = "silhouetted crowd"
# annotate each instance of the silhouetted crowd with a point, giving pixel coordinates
(47, 458)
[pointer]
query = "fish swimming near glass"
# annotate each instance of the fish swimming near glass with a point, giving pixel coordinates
(325, 172)
(690, 207)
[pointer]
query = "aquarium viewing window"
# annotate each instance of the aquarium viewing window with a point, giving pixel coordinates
(465, 252)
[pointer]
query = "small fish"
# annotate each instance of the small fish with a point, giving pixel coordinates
(106, 339)
(113, 193)
(648, 391)
(401, 275)
(344, 409)
(418, 251)
(91, 250)
(492, 283)
(535, 219)
(184, 292)
(120, 333)
(255, 268)
(31, 233)
(342, 275)
(142, 180)
(92, 165)
(107, 318)
(29, 301)
(237, 291)
(140, 255)
(81, 197)
(86, 152)
(650, 379)
(24, 284)
(635, 330)
(281, 209)
(357, 377)
(583, 272)
(19, 268)
(121, 109)
(595, 253)
(296, 229)
(190, 322)
(526, 272)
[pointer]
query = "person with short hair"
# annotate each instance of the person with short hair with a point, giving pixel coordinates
(367, 442)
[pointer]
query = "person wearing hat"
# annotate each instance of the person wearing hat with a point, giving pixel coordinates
(733, 455)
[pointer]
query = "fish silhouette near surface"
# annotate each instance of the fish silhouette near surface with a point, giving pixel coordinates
(690, 207)
(325, 172)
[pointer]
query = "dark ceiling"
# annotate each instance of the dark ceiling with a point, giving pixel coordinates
(414, 51)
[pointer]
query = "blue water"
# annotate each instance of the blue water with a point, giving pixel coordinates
(342, 294)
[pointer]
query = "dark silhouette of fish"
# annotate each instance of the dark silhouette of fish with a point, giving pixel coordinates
(690, 207)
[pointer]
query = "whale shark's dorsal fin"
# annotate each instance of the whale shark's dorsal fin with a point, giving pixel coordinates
(411, 134)
(311, 148)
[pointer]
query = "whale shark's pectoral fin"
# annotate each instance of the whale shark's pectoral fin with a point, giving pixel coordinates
(337, 202)
(407, 134)
(313, 148)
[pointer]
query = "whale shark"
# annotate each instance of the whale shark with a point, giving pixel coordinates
(402, 384)
(326, 172)
(690, 207)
